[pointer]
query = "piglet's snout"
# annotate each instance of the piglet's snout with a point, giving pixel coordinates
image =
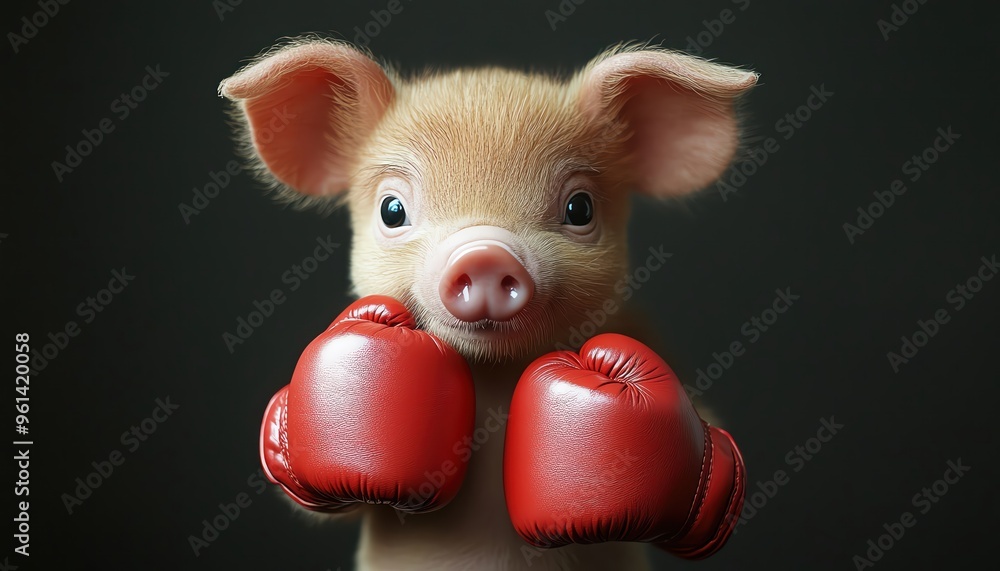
(483, 280)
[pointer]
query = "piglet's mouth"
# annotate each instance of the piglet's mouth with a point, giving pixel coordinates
(483, 327)
(489, 340)
(486, 330)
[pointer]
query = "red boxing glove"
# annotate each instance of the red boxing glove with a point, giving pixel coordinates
(604, 445)
(372, 415)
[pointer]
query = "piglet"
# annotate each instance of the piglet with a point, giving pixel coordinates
(489, 210)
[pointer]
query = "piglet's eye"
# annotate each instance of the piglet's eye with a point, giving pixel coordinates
(393, 213)
(579, 210)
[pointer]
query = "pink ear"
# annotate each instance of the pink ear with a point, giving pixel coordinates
(678, 110)
(308, 108)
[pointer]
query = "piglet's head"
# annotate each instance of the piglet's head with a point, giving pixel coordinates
(491, 202)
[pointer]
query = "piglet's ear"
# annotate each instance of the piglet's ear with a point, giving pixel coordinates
(308, 108)
(678, 111)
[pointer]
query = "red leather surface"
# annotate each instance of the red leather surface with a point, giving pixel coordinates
(604, 445)
(722, 491)
(372, 414)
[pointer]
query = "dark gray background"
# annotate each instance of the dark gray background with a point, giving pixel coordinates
(827, 356)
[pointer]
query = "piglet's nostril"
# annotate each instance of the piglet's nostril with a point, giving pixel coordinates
(510, 286)
(462, 287)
